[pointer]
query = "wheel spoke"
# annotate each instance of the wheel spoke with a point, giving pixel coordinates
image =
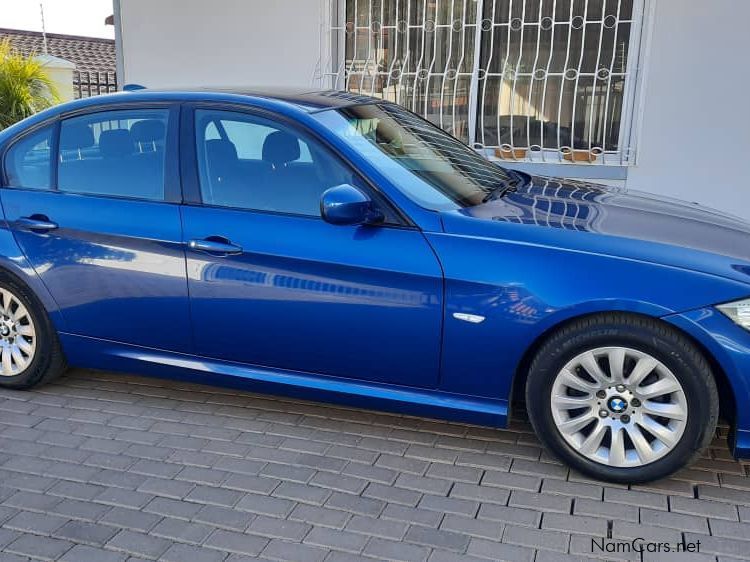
(24, 346)
(662, 433)
(7, 362)
(617, 448)
(571, 402)
(671, 411)
(616, 358)
(642, 447)
(592, 443)
(18, 357)
(642, 369)
(570, 379)
(25, 330)
(588, 362)
(574, 425)
(659, 388)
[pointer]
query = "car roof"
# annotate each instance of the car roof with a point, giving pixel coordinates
(285, 100)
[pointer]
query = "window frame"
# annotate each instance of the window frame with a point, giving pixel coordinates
(172, 187)
(190, 173)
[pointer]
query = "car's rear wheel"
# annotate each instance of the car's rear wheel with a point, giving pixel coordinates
(30, 352)
(622, 398)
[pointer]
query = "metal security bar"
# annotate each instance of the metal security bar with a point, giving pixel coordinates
(526, 80)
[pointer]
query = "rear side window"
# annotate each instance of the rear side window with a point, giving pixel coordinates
(116, 153)
(28, 162)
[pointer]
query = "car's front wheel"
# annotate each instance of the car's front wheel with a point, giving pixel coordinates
(622, 398)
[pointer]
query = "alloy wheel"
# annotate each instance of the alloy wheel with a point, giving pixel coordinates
(17, 335)
(619, 407)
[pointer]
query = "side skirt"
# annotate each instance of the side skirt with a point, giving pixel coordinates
(93, 353)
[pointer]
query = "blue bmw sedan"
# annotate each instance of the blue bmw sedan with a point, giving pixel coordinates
(340, 248)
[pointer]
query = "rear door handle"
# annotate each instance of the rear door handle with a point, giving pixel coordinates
(36, 223)
(215, 245)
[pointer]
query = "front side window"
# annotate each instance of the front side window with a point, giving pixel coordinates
(116, 153)
(250, 162)
(435, 169)
(28, 162)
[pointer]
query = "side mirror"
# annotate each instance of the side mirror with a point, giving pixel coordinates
(345, 204)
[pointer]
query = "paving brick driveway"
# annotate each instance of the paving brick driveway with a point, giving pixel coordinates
(101, 467)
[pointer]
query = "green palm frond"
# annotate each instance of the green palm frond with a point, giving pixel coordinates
(25, 86)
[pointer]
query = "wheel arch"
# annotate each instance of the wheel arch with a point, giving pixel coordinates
(727, 399)
(19, 270)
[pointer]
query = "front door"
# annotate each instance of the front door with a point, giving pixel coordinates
(272, 284)
(103, 236)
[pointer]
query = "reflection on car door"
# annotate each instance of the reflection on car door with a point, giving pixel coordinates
(272, 284)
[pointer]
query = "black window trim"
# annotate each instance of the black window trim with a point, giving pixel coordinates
(191, 178)
(172, 183)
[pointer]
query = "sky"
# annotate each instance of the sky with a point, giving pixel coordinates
(73, 17)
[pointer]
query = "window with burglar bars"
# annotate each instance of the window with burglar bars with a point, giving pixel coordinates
(530, 80)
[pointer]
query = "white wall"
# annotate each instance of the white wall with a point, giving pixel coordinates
(172, 43)
(694, 110)
(694, 140)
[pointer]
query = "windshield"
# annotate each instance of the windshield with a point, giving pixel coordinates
(433, 168)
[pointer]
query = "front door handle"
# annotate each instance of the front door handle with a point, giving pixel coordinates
(36, 223)
(215, 245)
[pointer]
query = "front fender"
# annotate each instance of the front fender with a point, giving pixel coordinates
(522, 290)
(729, 345)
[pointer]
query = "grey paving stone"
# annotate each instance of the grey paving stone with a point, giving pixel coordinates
(132, 519)
(492, 550)
(264, 505)
(81, 532)
(321, 516)
(84, 553)
(541, 502)
(138, 544)
(355, 504)
(482, 528)
(392, 494)
(37, 523)
(673, 520)
(484, 494)
(214, 496)
(449, 505)
(382, 528)
(412, 515)
(437, 538)
(190, 553)
(223, 517)
(35, 546)
(181, 531)
(335, 539)
(606, 510)
(577, 524)
(166, 488)
(395, 550)
(271, 527)
(705, 508)
(293, 552)
(239, 543)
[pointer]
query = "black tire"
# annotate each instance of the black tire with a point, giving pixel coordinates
(48, 361)
(643, 334)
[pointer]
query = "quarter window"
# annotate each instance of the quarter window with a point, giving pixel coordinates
(115, 153)
(250, 162)
(28, 163)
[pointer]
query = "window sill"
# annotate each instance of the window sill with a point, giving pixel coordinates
(573, 171)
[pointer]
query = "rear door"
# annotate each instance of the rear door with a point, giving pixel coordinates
(102, 227)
